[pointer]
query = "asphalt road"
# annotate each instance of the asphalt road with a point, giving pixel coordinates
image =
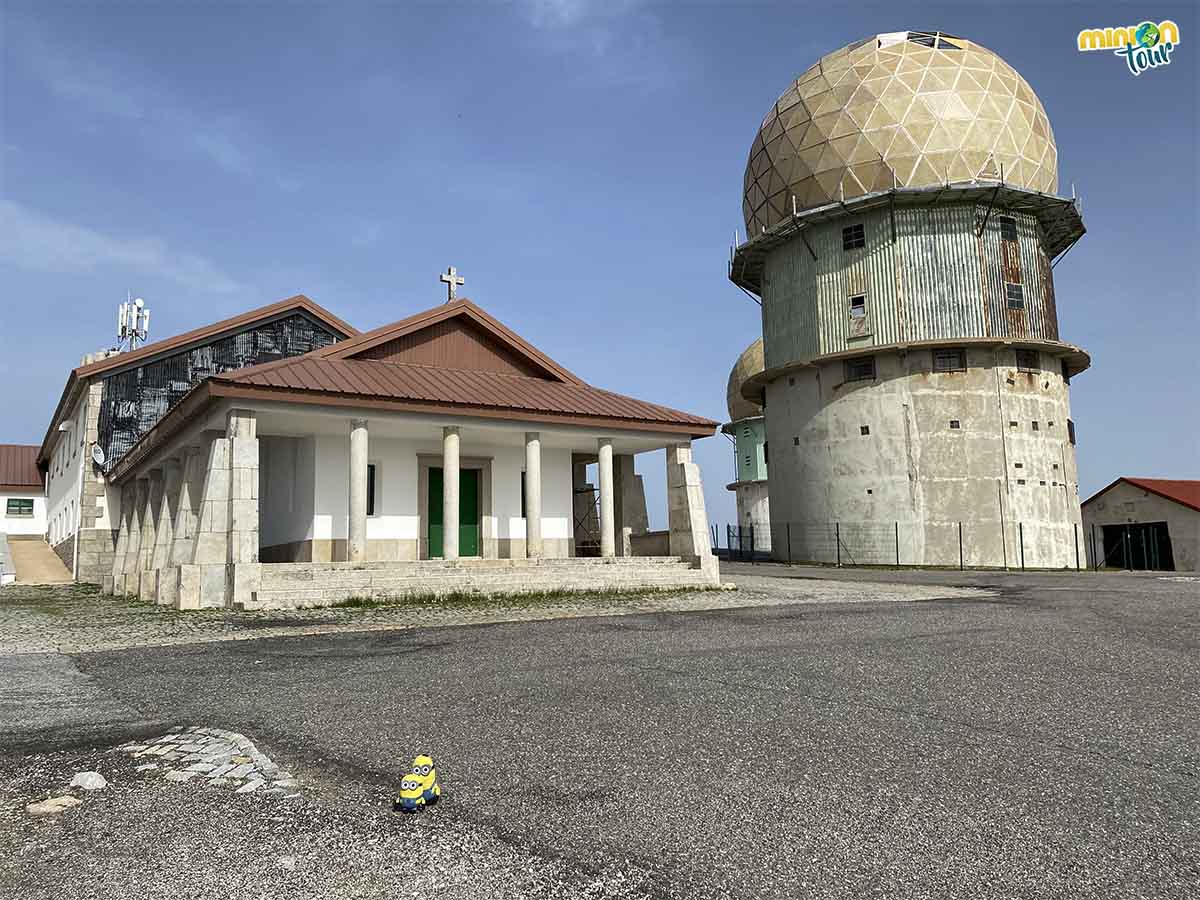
(1040, 743)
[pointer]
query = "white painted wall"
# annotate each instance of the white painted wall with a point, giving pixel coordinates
(65, 477)
(20, 524)
(1128, 504)
(396, 488)
(285, 489)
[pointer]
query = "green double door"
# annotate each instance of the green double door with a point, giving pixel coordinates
(468, 512)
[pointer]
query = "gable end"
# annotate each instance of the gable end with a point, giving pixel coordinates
(455, 343)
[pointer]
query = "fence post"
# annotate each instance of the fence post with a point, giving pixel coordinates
(753, 551)
(789, 542)
(1145, 558)
(897, 544)
(1125, 548)
(1075, 531)
(1095, 559)
(837, 537)
(960, 548)
(1021, 534)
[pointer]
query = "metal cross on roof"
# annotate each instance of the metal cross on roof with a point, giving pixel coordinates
(453, 281)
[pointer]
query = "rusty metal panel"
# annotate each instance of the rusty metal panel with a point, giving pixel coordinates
(1021, 262)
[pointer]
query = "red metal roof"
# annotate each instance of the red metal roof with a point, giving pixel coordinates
(1184, 492)
(371, 379)
(18, 466)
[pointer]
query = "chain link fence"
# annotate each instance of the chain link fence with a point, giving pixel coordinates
(945, 545)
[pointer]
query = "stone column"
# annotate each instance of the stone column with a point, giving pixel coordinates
(629, 503)
(687, 519)
(608, 541)
(357, 532)
(166, 579)
(114, 581)
(244, 575)
(126, 581)
(533, 495)
(186, 510)
(450, 492)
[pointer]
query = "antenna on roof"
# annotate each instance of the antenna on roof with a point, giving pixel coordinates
(133, 322)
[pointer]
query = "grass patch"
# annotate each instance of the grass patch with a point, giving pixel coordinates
(480, 600)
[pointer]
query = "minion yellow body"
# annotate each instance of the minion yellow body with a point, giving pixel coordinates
(412, 795)
(425, 775)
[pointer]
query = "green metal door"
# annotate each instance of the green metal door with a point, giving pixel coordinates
(468, 512)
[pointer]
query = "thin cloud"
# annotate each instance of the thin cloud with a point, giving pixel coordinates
(33, 240)
(72, 77)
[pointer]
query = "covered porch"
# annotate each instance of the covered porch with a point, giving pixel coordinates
(298, 505)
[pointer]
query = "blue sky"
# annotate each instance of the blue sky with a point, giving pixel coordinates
(580, 162)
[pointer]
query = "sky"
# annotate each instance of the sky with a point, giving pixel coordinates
(579, 161)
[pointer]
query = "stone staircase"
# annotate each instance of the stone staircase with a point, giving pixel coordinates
(298, 585)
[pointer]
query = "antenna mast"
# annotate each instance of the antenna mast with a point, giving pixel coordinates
(133, 322)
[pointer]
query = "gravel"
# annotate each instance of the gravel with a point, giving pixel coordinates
(1034, 736)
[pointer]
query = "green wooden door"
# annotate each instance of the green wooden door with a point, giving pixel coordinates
(468, 512)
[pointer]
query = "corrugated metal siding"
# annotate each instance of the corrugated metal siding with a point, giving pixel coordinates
(842, 274)
(939, 257)
(751, 464)
(790, 326)
(939, 280)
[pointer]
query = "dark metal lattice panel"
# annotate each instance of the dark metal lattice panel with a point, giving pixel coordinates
(134, 400)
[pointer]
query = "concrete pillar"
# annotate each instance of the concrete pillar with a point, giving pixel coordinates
(688, 521)
(183, 533)
(244, 574)
(607, 524)
(127, 578)
(533, 495)
(113, 582)
(172, 474)
(450, 492)
(358, 491)
(629, 503)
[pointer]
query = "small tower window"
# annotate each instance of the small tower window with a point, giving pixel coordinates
(853, 237)
(1027, 361)
(1008, 228)
(955, 424)
(1035, 425)
(864, 429)
(949, 360)
(1014, 294)
(861, 369)
(1071, 431)
(858, 307)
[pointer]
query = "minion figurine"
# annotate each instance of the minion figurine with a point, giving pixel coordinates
(424, 774)
(412, 794)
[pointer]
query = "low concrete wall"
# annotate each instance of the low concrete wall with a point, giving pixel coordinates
(296, 585)
(652, 543)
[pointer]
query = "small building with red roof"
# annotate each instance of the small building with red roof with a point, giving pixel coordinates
(1144, 523)
(22, 491)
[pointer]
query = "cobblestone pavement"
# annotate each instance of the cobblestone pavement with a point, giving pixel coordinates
(78, 619)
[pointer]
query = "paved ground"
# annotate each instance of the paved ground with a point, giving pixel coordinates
(36, 563)
(1033, 737)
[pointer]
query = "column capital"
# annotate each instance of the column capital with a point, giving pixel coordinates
(358, 423)
(448, 430)
(533, 436)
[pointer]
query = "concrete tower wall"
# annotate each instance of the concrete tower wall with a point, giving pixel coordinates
(936, 280)
(884, 452)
